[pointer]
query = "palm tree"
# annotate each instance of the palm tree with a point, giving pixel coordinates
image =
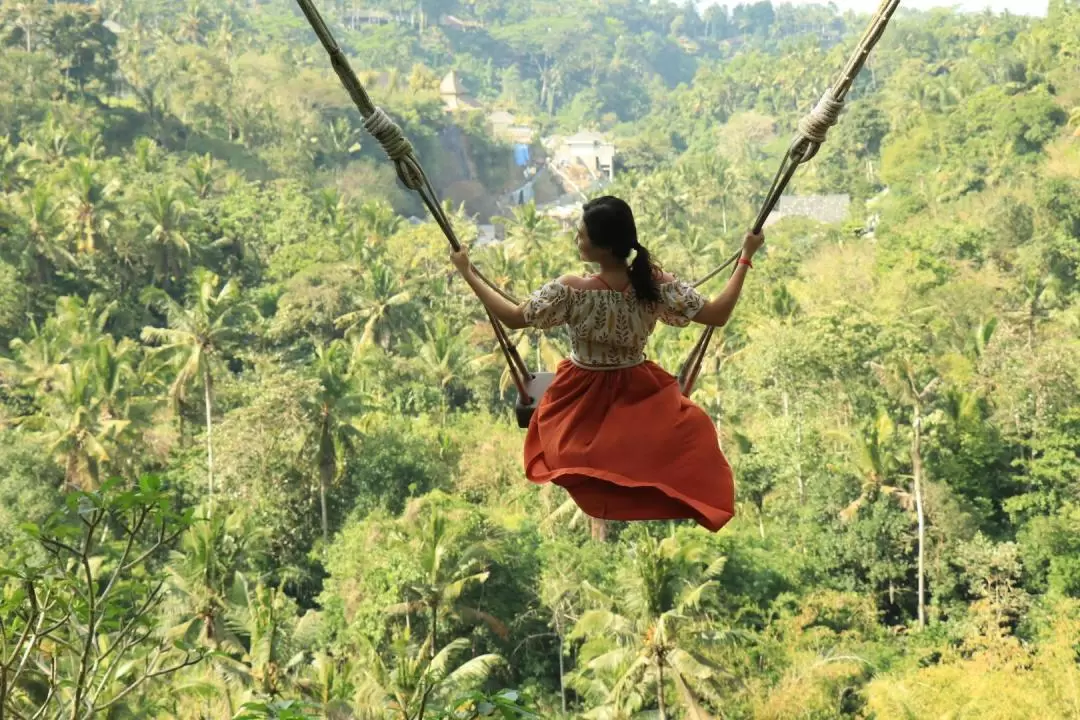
(195, 337)
(900, 380)
(559, 592)
(502, 263)
(51, 142)
(191, 23)
(527, 226)
(86, 385)
(45, 250)
(445, 350)
(166, 215)
(448, 572)
(331, 683)
(336, 415)
(418, 678)
(384, 289)
(577, 517)
(28, 19)
(255, 654)
(652, 632)
(202, 574)
(875, 459)
(696, 247)
(264, 618)
(379, 220)
(73, 425)
(89, 204)
(202, 176)
(13, 160)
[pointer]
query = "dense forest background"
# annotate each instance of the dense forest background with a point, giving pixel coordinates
(258, 453)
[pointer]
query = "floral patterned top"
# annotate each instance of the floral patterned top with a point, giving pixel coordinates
(608, 328)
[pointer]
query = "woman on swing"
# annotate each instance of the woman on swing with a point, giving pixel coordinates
(613, 428)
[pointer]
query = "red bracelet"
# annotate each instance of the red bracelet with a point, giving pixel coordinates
(747, 263)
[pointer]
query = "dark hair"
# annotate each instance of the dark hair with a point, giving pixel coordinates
(610, 224)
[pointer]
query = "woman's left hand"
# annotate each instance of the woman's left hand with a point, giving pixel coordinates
(460, 258)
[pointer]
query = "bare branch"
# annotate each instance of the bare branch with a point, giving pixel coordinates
(531, 637)
(91, 629)
(29, 646)
(162, 540)
(151, 599)
(127, 551)
(186, 662)
(51, 541)
(52, 690)
(17, 715)
(424, 700)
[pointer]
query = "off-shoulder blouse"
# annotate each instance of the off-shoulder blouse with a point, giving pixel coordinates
(609, 328)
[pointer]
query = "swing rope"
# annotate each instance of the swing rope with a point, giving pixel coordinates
(401, 152)
(809, 137)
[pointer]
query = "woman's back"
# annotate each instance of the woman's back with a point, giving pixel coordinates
(609, 327)
(614, 429)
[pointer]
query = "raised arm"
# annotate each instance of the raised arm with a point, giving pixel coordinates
(511, 315)
(717, 312)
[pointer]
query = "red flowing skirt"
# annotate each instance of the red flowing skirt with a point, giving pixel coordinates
(627, 445)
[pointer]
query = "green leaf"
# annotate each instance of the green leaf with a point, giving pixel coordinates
(65, 531)
(109, 485)
(150, 483)
(191, 633)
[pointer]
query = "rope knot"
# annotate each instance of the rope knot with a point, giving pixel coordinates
(815, 126)
(396, 146)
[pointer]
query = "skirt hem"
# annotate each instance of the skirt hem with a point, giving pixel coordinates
(711, 518)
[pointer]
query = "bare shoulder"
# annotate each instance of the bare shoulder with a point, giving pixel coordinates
(574, 281)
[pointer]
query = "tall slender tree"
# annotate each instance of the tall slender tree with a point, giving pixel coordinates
(195, 338)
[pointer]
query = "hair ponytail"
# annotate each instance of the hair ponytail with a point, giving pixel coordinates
(610, 223)
(643, 277)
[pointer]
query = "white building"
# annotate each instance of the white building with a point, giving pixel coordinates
(587, 148)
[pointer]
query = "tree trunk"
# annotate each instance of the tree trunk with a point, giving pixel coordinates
(761, 519)
(434, 629)
(786, 400)
(1033, 311)
(207, 391)
(917, 472)
(562, 662)
(4, 682)
(798, 453)
(322, 507)
(660, 689)
(598, 527)
(327, 461)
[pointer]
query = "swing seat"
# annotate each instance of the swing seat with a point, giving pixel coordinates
(537, 386)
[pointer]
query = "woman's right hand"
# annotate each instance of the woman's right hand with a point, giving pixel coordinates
(752, 243)
(460, 260)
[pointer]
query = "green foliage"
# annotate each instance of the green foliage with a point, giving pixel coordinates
(276, 709)
(505, 704)
(26, 493)
(80, 598)
(208, 274)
